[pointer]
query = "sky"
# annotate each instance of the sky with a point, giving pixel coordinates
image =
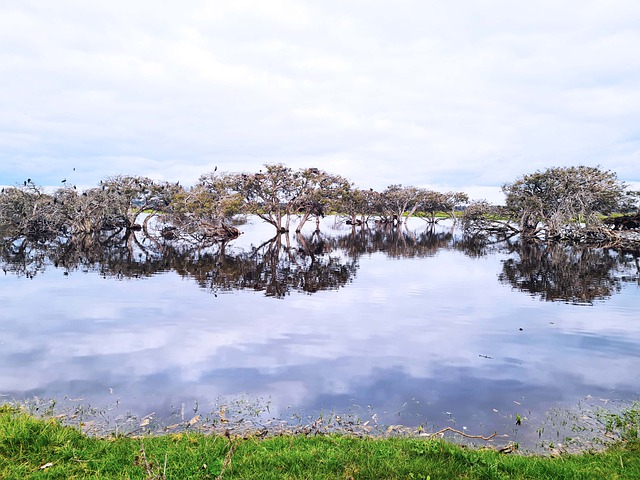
(460, 95)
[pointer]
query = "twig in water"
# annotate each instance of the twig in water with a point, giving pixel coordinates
(449, 429)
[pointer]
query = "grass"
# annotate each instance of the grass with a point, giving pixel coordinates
(44, 449)
(626, 424)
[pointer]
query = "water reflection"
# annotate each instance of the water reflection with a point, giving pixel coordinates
(307, 262)
(555, 272)
(314, 261)
(275, 267)
(416, 326)
(396, 242)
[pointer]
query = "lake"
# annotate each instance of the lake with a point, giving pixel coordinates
(416, 326)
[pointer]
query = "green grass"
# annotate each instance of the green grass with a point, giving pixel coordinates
(625, 424)
(27, 444)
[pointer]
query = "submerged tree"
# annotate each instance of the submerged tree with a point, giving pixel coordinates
(359, 205)
(278, 193)
(319, 193)
(27, 211)
(482, 219)
(568, 198)
(432, 203)
(136, 195)
(398, 201)
(202, 213)
(566, 204)
(270, 194)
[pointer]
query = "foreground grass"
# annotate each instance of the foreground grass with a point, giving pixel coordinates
(37, 448)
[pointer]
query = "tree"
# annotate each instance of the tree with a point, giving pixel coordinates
(356, 203)
(270, 194)
(566, 198)
(135, 195)
(201, 213)
(480, 218)
(398, 201)
(318, 193)
(278, 192)
(89, 212)
(435, 202)
(27, 211)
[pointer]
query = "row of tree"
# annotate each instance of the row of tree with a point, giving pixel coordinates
(202, 212)
(554, 203)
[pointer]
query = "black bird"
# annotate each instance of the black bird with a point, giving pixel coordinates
(63, 180)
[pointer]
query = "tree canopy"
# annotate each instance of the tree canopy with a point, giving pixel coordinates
(564, 198)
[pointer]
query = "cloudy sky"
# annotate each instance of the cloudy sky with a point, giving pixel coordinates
(460, 94)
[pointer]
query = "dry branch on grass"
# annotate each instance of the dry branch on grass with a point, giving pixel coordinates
(466, 435)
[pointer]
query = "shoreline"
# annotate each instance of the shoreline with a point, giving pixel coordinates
(589, 427)
(43, 448)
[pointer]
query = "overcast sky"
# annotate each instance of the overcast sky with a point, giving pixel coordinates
(455, 95)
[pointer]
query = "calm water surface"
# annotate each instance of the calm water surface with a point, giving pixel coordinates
(407, 333)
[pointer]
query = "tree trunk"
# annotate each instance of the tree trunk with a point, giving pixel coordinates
(304, 219)
(528, 227)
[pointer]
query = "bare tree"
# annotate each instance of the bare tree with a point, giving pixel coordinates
(480, 219)
(278, 192)
(318, 193)
(27, 211)
(270, 194)
(359, 205)
(432, 203)
(398, 201)
(201, 213)
(567, 198)
(135, 195)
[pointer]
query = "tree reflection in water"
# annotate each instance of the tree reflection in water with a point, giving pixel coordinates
(396, 242)
(275, 267)
(570, 274)
(310, 262)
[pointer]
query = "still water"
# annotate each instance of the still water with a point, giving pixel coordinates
(416, 327)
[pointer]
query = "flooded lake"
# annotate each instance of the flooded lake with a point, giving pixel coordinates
(414, 327)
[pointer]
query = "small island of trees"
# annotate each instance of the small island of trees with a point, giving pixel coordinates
(560, 204)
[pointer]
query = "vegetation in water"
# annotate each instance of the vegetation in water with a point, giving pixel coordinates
(625, 424)
(43, 448)
(556, 203)
(560, 204)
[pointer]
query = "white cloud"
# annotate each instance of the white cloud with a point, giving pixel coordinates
(463, 93)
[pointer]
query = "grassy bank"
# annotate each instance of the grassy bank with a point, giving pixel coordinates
(42, 448)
